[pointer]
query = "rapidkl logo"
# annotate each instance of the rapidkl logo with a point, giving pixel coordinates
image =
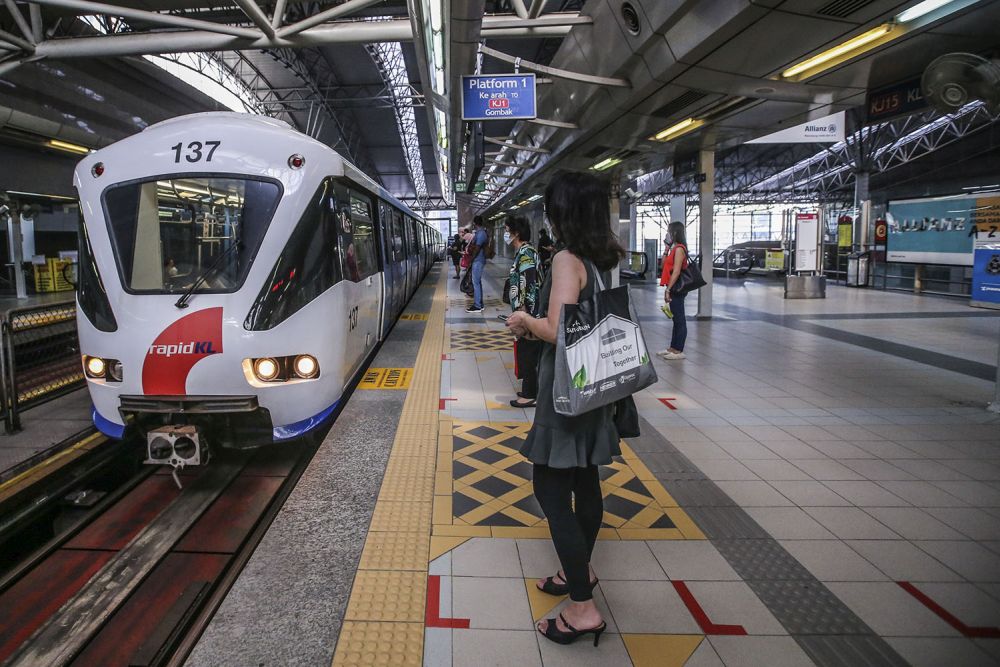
(178, 348)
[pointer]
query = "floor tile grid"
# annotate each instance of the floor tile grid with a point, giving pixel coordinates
(385, 614)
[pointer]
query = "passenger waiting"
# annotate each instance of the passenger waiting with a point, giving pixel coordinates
(674, 262)
(523, 297)
(566, 451)
(480, 239)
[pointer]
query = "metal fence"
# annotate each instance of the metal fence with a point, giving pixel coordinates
(40, 358)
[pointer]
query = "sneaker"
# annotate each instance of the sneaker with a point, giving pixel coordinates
(666, 311)
(473, 309)
(673, 355)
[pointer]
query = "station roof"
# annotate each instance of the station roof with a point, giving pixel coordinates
(378, 81)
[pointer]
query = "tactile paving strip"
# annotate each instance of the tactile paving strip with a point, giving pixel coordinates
(821, 624)
(389, 644)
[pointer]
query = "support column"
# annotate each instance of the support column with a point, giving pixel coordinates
(614, 215)
(863, 206)
(706, 229)
(17, 253)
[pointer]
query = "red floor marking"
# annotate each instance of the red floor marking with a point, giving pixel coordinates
(433, 618)
(946, 616)
(704, 622)
(446, 357)
(666, 402)
(441, 402)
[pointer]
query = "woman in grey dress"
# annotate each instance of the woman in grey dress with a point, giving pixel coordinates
(566, 451)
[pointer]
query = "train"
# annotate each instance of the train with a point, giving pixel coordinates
(235, 278)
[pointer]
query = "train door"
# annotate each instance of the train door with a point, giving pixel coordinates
(399, 267)
(412, 257)
(392, 275)
(362, 275)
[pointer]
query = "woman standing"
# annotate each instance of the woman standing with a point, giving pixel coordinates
(523, 297)
(566, 451)
(675, 261)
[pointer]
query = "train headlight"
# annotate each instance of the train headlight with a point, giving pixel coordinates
(266, 369)
(96, 368)
(306, 366)
(115, 372)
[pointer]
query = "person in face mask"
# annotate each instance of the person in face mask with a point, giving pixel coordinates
(523, 293)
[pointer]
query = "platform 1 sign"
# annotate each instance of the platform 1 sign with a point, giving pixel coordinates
(498, 96)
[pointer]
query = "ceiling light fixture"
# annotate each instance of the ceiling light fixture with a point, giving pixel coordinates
(676, 130)
(920, 9)
(606, 163)
(68, 147)
(854, 46)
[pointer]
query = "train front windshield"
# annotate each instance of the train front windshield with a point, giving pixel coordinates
(169, 232)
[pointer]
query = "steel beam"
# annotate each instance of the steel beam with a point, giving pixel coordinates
(86, 6)
(519, 8)
(252, 10)
(16, 41)
(536, 9)
(37, 29)
(555, 72)
(339, 11)
(22, 25)
(279, 14)
(519, 147)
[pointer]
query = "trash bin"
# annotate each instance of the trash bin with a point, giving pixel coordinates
(857, 269)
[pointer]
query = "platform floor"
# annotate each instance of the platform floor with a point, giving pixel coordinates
(43, 426)
(818, 483)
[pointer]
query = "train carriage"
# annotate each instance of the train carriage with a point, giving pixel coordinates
(235, 278)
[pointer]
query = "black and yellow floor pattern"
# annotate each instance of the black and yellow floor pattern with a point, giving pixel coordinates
(483, 489)
(480, 340)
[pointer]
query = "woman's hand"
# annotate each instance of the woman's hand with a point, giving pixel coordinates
(517, 323)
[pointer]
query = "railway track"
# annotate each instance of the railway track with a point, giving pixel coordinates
(135, 582)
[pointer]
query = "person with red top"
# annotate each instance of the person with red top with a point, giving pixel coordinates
(674, 261)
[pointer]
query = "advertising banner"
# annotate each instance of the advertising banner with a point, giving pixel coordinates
(498, 96)
(827, 130)
(937, 230)
(986, 265)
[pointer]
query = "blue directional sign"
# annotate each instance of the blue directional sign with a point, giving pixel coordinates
(498, 96)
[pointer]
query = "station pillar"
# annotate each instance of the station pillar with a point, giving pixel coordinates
(863, 206)
(706, 229)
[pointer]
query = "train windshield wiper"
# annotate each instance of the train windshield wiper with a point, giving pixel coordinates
(203, 276)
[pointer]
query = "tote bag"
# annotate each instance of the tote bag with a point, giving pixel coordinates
(601, 355)
(689, 279)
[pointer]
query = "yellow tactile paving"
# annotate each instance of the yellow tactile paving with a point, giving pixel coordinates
(661, 650)
(400, 516)
(389, 644)
(387, 595)
(396, 551)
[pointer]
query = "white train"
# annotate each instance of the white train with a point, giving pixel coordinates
(235, 278)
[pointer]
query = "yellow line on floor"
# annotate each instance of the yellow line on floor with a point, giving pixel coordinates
(384, 621)
(49, 462)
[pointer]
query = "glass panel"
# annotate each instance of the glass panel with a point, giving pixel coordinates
(167, 233)
(306, 268)
(89, 288)
(363, 243)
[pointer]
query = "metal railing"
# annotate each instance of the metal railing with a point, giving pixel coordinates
(39, 358)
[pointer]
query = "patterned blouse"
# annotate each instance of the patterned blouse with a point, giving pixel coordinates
(524, 279)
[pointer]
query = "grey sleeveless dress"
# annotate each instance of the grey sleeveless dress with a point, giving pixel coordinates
(566, 442)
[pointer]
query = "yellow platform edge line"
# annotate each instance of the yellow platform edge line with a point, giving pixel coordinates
(387, 633)
(51, 460)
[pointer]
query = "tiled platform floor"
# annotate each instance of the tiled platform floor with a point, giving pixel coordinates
(840, 431)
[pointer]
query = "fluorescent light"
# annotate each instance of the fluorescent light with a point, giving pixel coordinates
(853, 44)
(678, 129)
(606, 163)
(919, 9)
(535, 197)
(68, 147)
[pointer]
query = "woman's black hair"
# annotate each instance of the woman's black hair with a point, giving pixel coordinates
(519, 225)
(677, 233)
(578, 208)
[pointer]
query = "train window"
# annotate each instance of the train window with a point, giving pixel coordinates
(170, 232)
(415, 233)
(357, 230)
(89, 288)
(306, 268)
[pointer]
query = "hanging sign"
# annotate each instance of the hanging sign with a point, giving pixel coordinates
(498, 96)
(826, 130)
(898, 99)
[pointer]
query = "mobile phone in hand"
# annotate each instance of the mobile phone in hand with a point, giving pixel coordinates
(503, 318)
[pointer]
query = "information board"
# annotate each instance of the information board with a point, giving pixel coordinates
(937, 230)
(986, 265)
(498, 96)
(806, 242)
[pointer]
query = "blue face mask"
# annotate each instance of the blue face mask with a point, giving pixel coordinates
(506, 238)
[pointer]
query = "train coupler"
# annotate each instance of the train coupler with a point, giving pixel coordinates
(177, 447)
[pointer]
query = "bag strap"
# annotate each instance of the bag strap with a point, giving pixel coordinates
(597, 276)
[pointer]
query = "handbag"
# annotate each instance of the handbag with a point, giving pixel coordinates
(466, 283)
(601, 355)
(690, 278)
(505, 295)
(466, 260)
(626, 418)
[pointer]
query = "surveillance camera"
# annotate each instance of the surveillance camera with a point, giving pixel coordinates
(631, 193)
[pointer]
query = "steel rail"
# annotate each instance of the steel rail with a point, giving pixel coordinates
(344, 9)
(555, 72)
(144, 15)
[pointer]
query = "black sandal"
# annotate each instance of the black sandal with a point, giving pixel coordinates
(552, 588)
(552, 632)
(517, 404)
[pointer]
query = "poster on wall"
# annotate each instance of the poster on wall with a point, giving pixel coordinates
(937, 230)
(986, 264)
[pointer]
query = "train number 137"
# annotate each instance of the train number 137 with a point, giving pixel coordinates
(196, 151)
(352, 318)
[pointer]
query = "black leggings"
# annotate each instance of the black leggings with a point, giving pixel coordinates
(572, 502)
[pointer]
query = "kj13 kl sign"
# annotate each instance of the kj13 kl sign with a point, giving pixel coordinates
(498, 96)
